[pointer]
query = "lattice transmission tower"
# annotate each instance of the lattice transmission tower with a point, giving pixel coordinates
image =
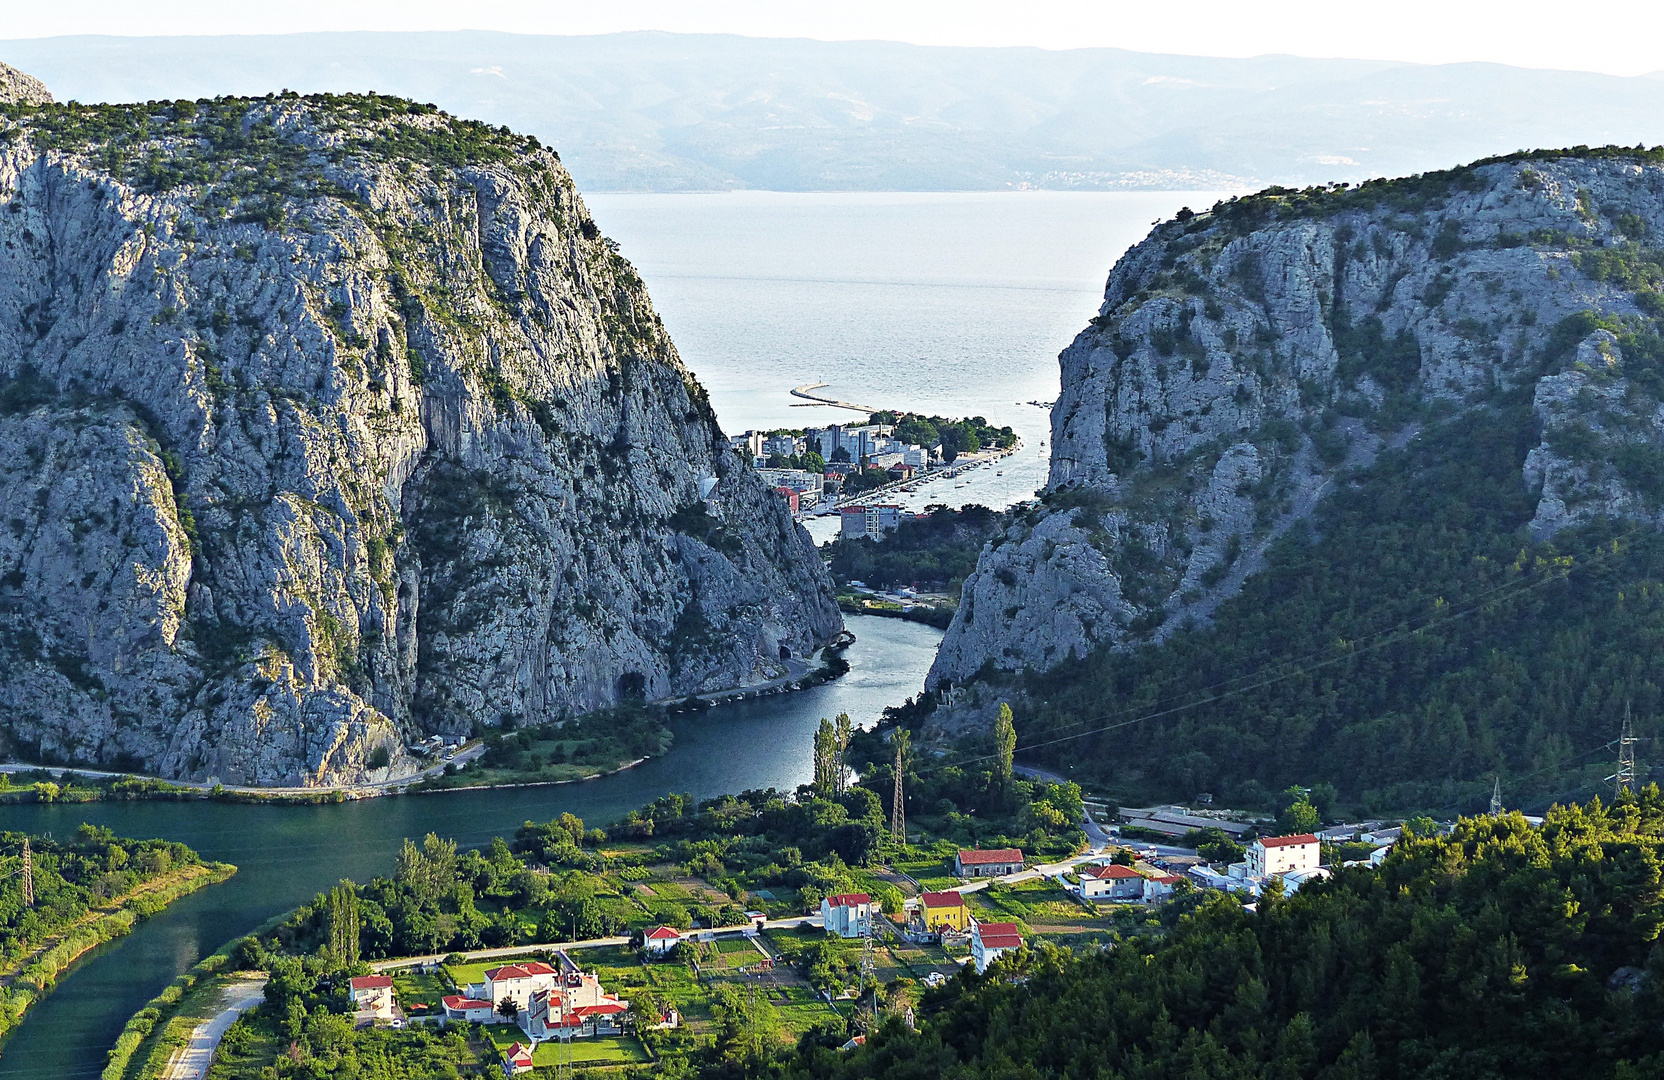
(1624, 779)
(28, 875)
(898, 808)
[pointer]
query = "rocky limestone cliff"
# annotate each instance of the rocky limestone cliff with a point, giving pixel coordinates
(1246, 359)
(326, 423)
(18, 88)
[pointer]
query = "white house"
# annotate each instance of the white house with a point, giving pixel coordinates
(518, 982)
(517, 1059)
(847, 914)
(373, 996)
(473, 1010)
(660, 940)
(1157, 889)
(1274, 855)
(1111, 882)
(991, 940)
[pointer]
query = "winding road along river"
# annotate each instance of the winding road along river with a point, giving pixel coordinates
(286, 855)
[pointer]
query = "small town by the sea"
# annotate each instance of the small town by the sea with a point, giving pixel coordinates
(736, 541)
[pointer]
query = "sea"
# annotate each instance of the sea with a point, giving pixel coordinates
(953, 304)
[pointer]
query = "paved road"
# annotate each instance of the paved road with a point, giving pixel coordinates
(1094, 832)
(460, 758)
(191, 1062)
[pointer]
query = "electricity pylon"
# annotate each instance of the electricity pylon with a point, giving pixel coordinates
(1624, 779)
(28, 875)
(1496, 797)
(898, 810)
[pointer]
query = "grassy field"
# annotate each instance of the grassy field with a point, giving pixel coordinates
(463, 974)
(596, 1050)
(420, 988)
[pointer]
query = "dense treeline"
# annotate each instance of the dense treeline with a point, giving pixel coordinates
(71, 877)
(1499, 951)
(1512, 657)
(936, 551)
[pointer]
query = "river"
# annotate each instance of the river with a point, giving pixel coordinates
(286, 855)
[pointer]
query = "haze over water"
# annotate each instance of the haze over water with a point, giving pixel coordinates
(955, 304)
(952, 303)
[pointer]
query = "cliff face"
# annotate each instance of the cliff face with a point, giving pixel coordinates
(1246, 360)
(326, 423)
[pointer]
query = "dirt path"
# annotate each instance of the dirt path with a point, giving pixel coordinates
(191, 1061)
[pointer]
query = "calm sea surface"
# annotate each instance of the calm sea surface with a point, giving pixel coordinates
(951, 304)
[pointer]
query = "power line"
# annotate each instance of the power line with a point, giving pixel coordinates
(1549, 573)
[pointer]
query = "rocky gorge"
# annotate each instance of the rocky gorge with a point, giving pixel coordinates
(331, 422)
(1250, 361)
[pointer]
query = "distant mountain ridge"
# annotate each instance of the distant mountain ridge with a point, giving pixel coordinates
(675, 112)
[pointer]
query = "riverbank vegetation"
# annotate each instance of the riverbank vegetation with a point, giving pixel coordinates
(677, 862)
(43, 785)
(578, 749)
(932, 553)
(86, 890)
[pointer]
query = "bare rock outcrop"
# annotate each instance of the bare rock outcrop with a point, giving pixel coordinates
(1246, 359)
(18, 88)
(328, 423)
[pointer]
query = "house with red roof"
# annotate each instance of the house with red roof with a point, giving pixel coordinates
(473, 1010)
(942, 912)
(988, 862)
(660, 940)
(1270, 856)
(518, 982)
(372, 996)
(517, 1059)
(1112, 882)
(1160, 887)
(991, 940)
(848, 915)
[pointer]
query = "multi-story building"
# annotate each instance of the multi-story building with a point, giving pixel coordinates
(751, 441)
(1274, 855)
(991, 940)
(871, 520)
(848, 915)
(799, 480)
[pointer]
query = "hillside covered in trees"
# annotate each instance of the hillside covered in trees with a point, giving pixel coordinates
(1498, 951)
(1351, 485)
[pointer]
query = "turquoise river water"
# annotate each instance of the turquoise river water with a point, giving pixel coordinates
(286, 855)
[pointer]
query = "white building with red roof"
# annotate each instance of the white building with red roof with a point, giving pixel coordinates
(989, 862)
(1160, 887)
(372, 996)
(1273, 855)
(660, 940)
(577, 1006)
(473, 1010)
(1112, 882)
(517, 1059)
(848, 915)
(1291, 860)
(518, 982)
(991, 940)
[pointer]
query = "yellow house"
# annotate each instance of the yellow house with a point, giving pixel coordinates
(938, 910)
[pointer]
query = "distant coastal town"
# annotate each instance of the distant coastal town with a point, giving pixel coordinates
(850, 469)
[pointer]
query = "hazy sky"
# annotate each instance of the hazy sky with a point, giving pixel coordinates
(1620, 37)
